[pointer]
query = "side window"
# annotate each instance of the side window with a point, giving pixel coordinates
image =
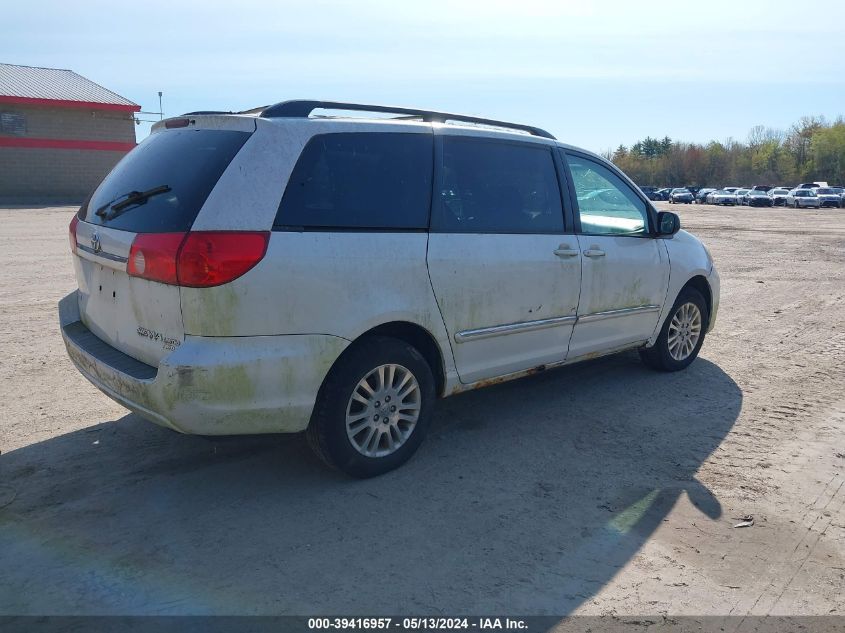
(490, 186)
(606, 204)
(360, 180)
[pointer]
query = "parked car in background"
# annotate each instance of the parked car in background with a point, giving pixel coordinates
(802, 198)
(811, 185)
(701, 194)
(663, 194)
(732, 189)
(273, 272)
(740, 195)
(650, 192)
(763, 188)
(756, 198)
(778, 196)
(841, 191)
(721, 197)
(828, 197)
(681, 195)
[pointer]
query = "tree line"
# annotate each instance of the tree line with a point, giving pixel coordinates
(812, 149)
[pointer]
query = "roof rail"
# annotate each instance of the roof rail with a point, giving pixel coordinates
(301, 109)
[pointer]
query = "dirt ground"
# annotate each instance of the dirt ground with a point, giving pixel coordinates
(601, 488)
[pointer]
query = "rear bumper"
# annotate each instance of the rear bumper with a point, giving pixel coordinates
(210, 385)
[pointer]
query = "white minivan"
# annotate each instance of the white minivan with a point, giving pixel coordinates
(282, 271)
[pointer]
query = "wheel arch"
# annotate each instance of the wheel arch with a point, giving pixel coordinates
(700, 283)
(415, 335)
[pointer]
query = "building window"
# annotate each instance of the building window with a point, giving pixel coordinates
(12, 123)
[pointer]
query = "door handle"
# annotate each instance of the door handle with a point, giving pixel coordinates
(594, 252)
(564, 251)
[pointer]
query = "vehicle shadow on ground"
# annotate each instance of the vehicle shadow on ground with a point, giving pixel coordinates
(527, 497)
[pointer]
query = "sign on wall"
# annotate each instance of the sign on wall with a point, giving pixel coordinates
(12, 123)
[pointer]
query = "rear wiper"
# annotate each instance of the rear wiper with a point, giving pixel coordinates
(131, 198)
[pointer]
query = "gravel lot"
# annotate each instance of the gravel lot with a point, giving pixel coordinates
(602, 488)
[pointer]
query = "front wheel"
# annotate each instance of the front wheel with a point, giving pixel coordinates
(681, 336)
(373, 409)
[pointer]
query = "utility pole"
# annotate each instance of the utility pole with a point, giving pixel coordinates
(160, 109)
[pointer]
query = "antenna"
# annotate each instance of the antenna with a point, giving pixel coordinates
(160, 112)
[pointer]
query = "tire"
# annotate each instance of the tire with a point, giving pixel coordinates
(660, 357)
(327, 432)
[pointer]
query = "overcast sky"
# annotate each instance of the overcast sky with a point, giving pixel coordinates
(594, 73)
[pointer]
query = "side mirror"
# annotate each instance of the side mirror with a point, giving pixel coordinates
(668, 223)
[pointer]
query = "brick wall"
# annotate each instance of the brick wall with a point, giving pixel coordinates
(33, 174)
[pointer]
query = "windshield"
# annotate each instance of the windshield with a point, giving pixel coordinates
(823, 190)
(160, 186)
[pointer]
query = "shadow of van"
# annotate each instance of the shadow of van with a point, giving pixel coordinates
(527, 497)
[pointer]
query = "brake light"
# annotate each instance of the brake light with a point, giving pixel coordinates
(72, 233)
(200, 259)
(210, 258)
(153, 256)
(172, 123)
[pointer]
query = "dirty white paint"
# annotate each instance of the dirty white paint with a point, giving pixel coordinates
(483, 281)
(220, 385)
(139, 317)
(633, 273)
(688, 258)
(252, 354)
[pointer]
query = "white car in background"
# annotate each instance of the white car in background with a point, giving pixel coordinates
(272, 271)
(721, 197)
(778, 196)
(802, 199)
(828, 197)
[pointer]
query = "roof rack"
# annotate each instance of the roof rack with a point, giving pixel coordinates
(301, 109)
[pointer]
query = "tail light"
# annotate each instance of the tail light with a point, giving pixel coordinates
(153, 256)
(210, 258)
(199, 259)
(72, 233)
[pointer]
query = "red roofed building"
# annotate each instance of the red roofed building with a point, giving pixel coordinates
(60, 133)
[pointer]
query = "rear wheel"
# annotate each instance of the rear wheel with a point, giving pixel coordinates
(682, 334)
(374, 408)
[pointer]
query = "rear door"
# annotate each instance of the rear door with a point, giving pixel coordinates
(625, 273)
(139, 317)
(504, 269)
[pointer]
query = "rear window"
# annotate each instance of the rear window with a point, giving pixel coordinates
(188, 162)
(366, 180)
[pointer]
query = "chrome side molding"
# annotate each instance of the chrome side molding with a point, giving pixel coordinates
(511, 328)
(541, 324)
(612, 314)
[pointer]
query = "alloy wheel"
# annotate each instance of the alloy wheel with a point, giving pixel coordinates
(383, 410)
(684, 331)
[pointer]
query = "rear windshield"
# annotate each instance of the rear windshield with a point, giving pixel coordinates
(180, 166)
